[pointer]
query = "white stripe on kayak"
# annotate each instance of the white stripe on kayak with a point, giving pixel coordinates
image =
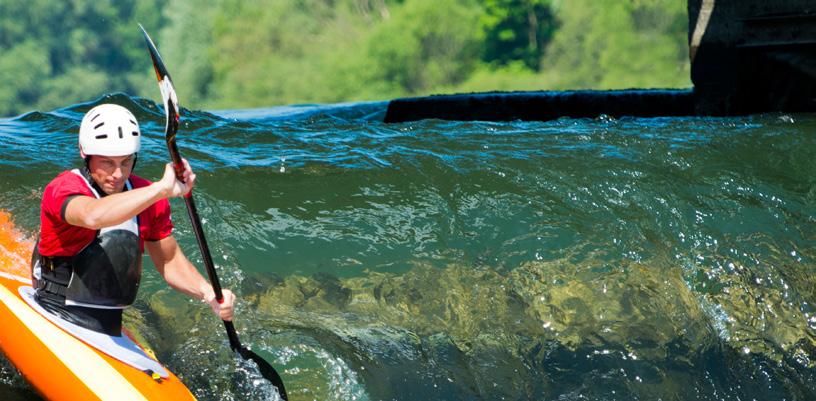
(87, 365)
(15, 277)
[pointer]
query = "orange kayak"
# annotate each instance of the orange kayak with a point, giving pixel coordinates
(57, 364)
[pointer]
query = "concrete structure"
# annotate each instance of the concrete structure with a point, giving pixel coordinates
(752, 56)
(747, 56)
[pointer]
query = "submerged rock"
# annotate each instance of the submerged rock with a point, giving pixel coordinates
(640, 329)
(524, 328)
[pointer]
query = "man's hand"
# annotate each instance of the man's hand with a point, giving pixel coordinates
(226, 308)
(174, 188)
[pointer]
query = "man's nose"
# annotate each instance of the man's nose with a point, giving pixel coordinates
(117, 172)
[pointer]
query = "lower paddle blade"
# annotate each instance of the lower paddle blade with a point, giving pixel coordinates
(267, 371)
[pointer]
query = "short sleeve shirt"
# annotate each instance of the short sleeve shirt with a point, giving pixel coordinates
(58, 238)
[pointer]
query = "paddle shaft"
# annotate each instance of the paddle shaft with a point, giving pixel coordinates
(172, 114)
(235, 344)
(266, 369)
(205, 253)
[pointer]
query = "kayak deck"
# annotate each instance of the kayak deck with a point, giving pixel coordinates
(58, 365)
(121, 347)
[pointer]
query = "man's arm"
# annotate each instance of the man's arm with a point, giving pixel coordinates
(183, 276)
(88, 212)
(92, 213)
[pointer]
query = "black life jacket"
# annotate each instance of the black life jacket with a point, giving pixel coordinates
(92, 287)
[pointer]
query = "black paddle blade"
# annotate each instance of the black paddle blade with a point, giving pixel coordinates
(168, 92)
(267, 371)
(158, 64)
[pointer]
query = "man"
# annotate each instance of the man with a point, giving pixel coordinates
(97, 221)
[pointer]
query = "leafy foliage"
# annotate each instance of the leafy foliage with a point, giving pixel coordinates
(235, 53)
(69, 51)
(606, 44)
(516, 30)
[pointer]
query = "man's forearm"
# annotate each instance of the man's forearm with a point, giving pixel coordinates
(184, 277)
(111, 210)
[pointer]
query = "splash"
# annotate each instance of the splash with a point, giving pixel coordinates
(15, 247)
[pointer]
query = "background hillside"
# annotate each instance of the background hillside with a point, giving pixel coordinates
(242, 54)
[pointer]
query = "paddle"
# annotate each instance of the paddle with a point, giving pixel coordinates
(171, 111)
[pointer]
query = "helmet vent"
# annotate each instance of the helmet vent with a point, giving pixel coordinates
(120, 133)
(135, 133)
(95, 117)
(103, 136)
(99, 125)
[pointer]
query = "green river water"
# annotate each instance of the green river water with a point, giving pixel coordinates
(577, 259)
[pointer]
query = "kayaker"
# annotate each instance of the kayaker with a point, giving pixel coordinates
(95, 223)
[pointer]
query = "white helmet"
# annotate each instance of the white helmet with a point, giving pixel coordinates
(109, 130)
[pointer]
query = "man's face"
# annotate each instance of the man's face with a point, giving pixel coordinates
(111, 172)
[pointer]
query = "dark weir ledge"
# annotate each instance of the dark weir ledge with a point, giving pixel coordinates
(541, 106)
(747, 56)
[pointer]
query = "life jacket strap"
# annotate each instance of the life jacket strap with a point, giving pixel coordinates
(55, 274)
(54, 288)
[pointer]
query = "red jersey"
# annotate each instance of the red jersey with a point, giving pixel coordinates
(58, 238)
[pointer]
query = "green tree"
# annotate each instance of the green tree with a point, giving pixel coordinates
(427, 45)
(186, 42)
(24, 67)
(516, 30)
(612, 44)
(265, 59)
(251, 53)
(59, 53)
